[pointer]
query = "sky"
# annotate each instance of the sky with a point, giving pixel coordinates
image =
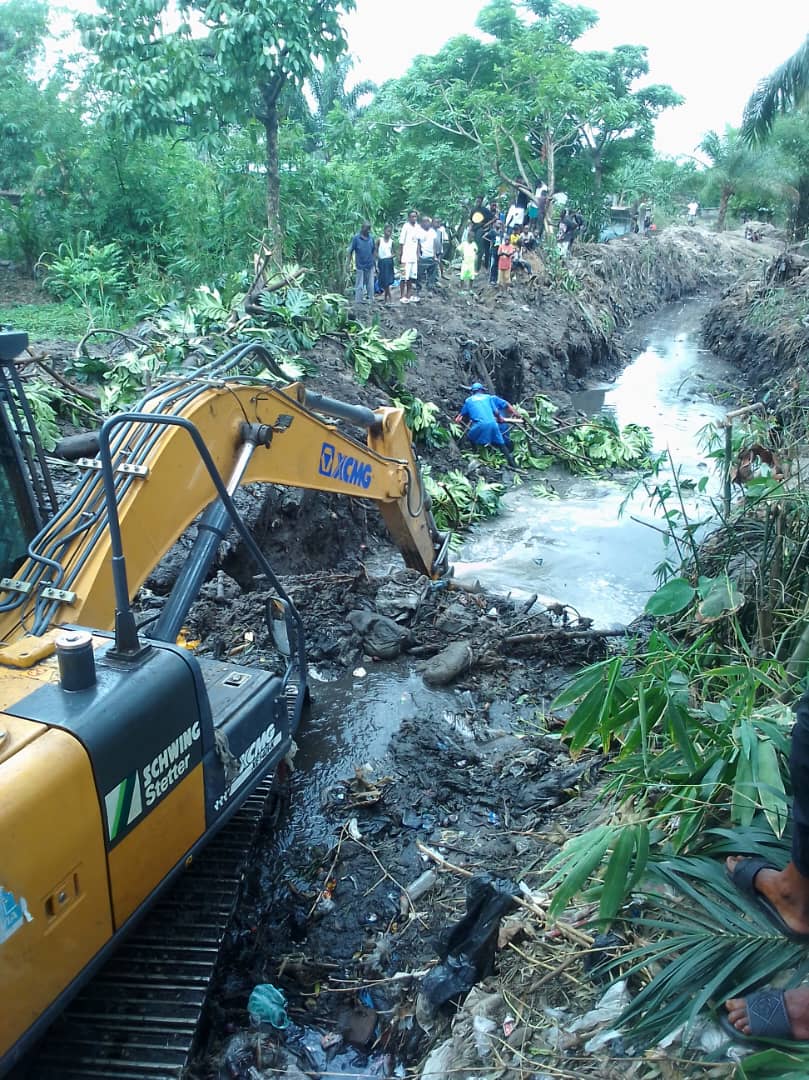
(713, 52)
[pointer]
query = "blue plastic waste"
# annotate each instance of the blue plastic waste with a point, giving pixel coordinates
(267, 1003)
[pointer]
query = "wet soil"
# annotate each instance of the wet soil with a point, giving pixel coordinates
(761, 324)
(385, 765)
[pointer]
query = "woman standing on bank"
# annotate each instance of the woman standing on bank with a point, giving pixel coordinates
(384, 262)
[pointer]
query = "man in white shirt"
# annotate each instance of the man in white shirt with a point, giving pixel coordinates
(693, 210)
(442, 252)
(428, 265)
(515, 217)
(409, 258)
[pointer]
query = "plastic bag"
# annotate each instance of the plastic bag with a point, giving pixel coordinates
(468, 947)
(381, 636)
(268, 1004)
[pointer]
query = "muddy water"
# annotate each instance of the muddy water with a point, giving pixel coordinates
(577, 548)
(350, 723)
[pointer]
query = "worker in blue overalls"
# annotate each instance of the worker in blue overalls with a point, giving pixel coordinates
(488, 426)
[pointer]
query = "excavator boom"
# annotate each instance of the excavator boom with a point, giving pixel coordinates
(140, 751)
(162, 486)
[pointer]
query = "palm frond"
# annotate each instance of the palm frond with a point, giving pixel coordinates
(711, 944)
(783, 89)
(774, 1065)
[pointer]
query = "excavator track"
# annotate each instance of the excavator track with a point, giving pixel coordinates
(137, 1019)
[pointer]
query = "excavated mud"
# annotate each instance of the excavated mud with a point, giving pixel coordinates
(762, 324)
(466, 769)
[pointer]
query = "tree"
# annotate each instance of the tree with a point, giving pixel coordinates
(224, 62)
(620, 114)
(23, 26)
(733, 165)
(788, 146)
(529, 99)
(328, 88)
(784, 90)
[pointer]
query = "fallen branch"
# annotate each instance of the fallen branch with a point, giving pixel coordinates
(559, 634)
(106, 330)
(79, 391)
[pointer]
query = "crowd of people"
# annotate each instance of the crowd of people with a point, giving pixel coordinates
(494, 241)
(423, 246)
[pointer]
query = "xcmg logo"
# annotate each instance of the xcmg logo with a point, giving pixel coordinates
(341, 467)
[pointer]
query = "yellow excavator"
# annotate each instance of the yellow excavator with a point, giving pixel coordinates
(122, 753)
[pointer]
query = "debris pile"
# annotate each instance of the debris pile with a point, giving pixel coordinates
(354, 619)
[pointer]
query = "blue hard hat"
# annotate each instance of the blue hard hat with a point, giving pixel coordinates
(477, 386)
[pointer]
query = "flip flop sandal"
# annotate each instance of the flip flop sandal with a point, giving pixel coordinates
(766, 1016)
(743, 877)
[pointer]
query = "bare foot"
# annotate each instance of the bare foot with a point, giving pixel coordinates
(797, 1006)
(787, 890)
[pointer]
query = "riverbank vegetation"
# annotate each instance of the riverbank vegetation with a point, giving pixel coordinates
(696, 718)
(170, 160)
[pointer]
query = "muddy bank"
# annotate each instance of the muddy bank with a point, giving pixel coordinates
(762, 324)
(563, 325)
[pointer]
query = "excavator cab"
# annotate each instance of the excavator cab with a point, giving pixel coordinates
(27, 497)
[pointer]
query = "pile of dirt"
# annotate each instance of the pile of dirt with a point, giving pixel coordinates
(555, 328)
(762, 324)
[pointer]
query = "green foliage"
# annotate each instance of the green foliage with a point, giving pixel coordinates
(458, 501)
(222, 64)
(687, 739)
(121, 380)
(601, 443)
(423, 421)
(92, 275)
(670, 599)
(383, 360)
(718, 597)
(715, 946)
(47, 321)
(41, 397)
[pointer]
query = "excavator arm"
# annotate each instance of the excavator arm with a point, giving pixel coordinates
(254, 432)
(121, 756)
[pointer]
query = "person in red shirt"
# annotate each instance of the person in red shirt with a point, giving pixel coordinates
(504, 258)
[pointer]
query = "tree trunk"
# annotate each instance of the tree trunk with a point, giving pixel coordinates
(270, 119)
(801, 219)
(550, 164)
(598, 172)
(723, 208)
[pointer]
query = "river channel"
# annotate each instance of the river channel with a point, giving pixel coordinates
(578, 547)
(573, 547)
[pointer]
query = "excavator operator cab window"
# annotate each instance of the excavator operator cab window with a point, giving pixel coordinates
(27, 496)
(18, 522)
(280, 625)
